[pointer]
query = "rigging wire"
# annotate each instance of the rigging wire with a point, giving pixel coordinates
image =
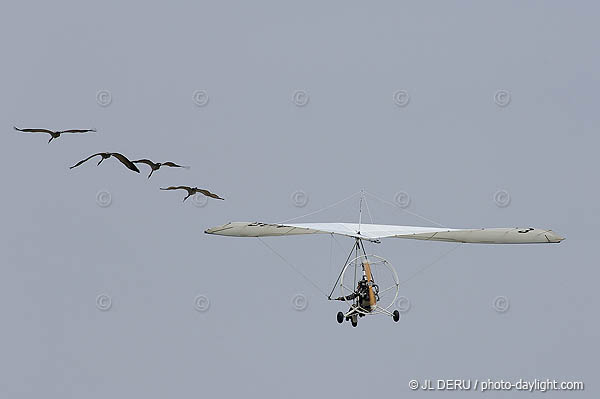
(428, 265)
(293, 267)
(360, 211)
(322, 209)
(404, 210)
(338, 243)
(368, 211)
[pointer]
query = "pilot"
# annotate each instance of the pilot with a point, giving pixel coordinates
(361, 292)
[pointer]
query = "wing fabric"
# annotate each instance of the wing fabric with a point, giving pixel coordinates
(373, 232)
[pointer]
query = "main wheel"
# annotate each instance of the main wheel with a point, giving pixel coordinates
(396, 315)
(354, 321)
(340, 317)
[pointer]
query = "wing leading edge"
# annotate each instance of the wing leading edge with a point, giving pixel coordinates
(374, 232)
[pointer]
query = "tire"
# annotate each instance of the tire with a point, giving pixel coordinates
(354, 321)
(340, 317)
(396, 315)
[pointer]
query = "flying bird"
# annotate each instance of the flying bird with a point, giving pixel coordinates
(156, 166)
(193, 190)
(106, 155)
(54, 134)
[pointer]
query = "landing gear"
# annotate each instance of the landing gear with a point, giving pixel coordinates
(340, 317)
(396, 315)
(354, 320)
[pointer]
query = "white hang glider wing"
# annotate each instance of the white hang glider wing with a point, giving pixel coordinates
(375, 232)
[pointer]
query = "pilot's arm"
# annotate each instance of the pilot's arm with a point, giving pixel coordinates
(347, 297)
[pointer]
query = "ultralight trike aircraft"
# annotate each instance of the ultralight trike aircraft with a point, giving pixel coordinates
(368, 283)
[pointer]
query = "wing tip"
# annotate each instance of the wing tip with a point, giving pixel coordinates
(217, 229)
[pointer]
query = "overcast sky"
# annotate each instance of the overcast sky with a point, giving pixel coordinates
(484, 114)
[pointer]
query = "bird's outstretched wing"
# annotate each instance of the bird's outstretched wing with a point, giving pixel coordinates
(34, 130)
(209, 194)
(76, 131)
(186, 188)
(85, 160)
(125, 161)
(146, 161)
(174, 165)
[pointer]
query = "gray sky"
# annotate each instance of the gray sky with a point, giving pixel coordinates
(451, 148)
